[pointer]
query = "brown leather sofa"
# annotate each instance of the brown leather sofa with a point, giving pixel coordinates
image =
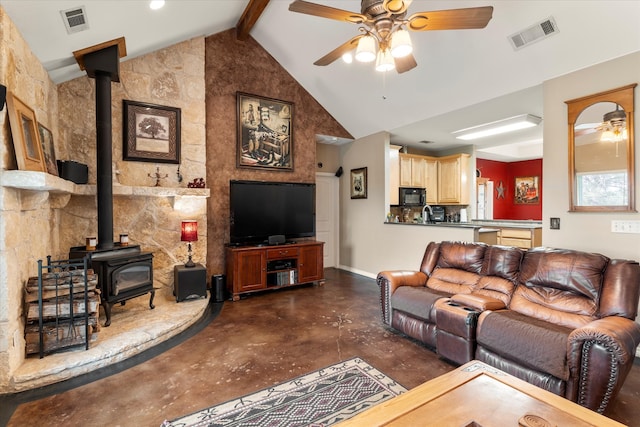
(562, 320)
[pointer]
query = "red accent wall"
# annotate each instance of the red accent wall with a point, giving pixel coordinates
(506, 173)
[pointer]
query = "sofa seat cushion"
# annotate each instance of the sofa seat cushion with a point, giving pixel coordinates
(453, 281)
(417, 301)
(531, 342)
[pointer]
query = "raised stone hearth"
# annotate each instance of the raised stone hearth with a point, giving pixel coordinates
(134, 328)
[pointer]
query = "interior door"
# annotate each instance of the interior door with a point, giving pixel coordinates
(327, 214)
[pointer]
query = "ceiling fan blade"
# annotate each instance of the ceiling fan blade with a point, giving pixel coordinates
(586, 131)
(405, 63)
(454, 19)
(396, 6)
(302, 6)
(339, 51)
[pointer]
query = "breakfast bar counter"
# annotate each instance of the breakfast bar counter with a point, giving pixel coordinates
(521, 233)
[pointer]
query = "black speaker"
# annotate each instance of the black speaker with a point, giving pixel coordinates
(339, 172)
(218, 288)
(3, 96)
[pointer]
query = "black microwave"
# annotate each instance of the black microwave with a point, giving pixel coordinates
(411, 196)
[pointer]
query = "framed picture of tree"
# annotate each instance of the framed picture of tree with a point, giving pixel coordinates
(151, 133)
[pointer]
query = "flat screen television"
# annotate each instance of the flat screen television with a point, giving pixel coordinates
(260, 210)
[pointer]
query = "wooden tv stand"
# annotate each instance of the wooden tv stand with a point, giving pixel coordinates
(259, 268)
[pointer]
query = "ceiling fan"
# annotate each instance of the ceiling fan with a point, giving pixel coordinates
(383, 35)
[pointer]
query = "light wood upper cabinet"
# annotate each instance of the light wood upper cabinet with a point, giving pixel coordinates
(406, 179)
(453, 179)
(446, 179)
(431, 182)
(414, 170)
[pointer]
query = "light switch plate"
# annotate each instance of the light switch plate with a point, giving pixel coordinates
(554, 223)
(632, 227)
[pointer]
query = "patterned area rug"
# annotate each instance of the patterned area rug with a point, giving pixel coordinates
(321, 398)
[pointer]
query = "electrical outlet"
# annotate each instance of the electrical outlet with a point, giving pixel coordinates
(632, 227)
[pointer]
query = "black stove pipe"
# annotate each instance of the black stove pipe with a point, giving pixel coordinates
(104, 183)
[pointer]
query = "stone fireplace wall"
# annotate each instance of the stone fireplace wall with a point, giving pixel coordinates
(28, 219)
(171, 77)
(35, 224)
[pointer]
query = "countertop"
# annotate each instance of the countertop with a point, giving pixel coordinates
(483, 226)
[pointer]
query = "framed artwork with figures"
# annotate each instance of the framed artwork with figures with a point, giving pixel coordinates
(264, 133)
(359, 183)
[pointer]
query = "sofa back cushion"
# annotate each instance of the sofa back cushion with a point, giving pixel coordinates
(560, 286)
(502, 261)
(499, 272)
(462, 256)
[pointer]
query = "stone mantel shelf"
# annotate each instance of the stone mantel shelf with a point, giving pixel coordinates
(41, 181)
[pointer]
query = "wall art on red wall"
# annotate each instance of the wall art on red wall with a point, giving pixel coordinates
(526, 190)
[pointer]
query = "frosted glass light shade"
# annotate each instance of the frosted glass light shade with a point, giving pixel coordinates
(366, 51)
(347, 57)
(401, 43)
(384, 61)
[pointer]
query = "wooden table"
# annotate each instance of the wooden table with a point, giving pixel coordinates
(477, 395)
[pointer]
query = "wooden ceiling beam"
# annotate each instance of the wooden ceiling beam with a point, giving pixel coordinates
(249, 18)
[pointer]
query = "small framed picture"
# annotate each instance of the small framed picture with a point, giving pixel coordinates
(527, 190)
(359, 183)
(46, 139)
(26, 139)
(151, 133)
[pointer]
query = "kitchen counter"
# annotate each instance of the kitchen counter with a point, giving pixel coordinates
(508, 223)
(521, 233)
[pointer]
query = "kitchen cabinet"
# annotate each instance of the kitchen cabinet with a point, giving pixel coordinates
(453, 179)
(520, 237)
(431, 184)
(413, 170)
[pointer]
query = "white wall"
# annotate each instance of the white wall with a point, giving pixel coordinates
(582, 230)
(367, 244)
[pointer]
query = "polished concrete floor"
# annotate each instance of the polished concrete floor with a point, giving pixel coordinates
(254, 343)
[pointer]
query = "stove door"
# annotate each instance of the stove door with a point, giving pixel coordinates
(131, 276)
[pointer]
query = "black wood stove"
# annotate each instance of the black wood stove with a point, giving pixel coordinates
(124, 272)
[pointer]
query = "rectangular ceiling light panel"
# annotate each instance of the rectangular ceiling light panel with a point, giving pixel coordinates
(511, 124)
(75, 19)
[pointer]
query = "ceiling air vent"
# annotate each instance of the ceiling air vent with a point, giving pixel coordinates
(535, 33)
(75, 19)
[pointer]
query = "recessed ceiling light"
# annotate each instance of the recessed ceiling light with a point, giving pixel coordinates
(156, 4)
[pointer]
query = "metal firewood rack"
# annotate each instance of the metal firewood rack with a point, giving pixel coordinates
(63, 327)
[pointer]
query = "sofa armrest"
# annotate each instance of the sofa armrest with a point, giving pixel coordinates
(479, 302)
(389, 281)
(600, 355)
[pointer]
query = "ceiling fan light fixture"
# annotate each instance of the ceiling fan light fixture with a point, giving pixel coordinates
(401, 43)
(366, 51)
(384, 61)
(510, 124)
(156, 4)
(347, 57)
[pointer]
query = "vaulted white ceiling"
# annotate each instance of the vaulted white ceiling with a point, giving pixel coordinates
(463, 78)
